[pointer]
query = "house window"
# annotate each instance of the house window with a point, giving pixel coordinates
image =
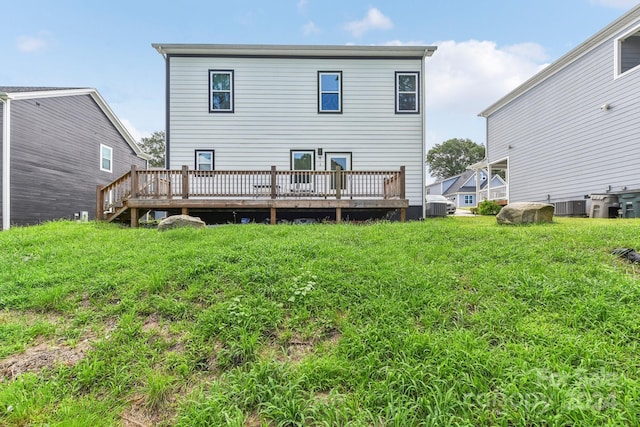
(204, 160)
(407, 92)
(468, 199)
(106, 158)
(329, 91)
(302, 160)
(221, 91)
(628, 52)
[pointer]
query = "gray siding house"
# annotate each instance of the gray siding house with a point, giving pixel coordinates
(250, 107)
(57, 146)
(573, 129)
(462, 189)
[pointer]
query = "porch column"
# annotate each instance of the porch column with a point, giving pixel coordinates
(488, 181)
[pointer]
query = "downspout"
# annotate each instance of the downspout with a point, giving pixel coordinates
(424, 130)
(6, 162)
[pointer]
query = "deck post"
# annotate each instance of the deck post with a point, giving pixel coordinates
(273, 216)
(273, 182)
(402, 183)
(134, 181)
(185, 211)
(134, 217)
(403, 215)
(338, 182)
(99, 203)
(338, 215)
(185, 181)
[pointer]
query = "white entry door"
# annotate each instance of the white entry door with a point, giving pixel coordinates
(332, 162)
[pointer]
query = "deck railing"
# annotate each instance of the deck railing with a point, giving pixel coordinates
(273, 184)
(497, 193)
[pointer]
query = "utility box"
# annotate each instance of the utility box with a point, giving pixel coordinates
(604, 206)
(630, 204)
(436, 209)
(571, 208)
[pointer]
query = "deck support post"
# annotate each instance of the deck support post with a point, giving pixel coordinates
(134, 217)
(338, 215)
(99, 203)
(403, 215)
(185, 181)
(185, 211)
(273, 216)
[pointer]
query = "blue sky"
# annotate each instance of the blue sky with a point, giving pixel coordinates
(485, 48)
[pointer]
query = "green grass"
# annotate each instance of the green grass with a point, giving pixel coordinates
(451, 321)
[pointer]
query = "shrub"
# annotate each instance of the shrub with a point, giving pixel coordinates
(488, 207)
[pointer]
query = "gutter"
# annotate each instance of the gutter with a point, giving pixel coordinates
(6, 161)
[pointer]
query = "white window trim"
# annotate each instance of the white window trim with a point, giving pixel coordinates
(617, 54)
(102, 147)
(213, 157)
(231, 90)
(417, 92)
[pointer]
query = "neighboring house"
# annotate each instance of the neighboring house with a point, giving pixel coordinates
(462, 190)
(572, 129)
(298, 108)
(58, 145)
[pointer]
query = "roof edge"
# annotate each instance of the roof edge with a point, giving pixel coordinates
(565, 60)
(292, 50)
(102, 104)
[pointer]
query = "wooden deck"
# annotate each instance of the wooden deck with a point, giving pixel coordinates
(139, 191)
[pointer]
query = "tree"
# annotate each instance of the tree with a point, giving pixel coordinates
(453, 156)
(154, 146)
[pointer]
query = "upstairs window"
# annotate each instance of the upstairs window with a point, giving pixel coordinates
(106, 158)
(329, 91)
(407, 92)
(204, 160)
(628, 52)
(221, 91)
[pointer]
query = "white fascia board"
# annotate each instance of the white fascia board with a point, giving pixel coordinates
(293, 50)
(566, 60)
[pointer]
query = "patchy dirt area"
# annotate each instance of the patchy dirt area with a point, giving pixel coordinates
(44, 355)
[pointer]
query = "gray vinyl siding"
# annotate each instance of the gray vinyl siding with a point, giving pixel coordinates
(55, 157)
(559, 142)
(276, 110)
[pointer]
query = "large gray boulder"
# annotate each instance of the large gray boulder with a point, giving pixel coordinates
(526, 213)
(180, 221)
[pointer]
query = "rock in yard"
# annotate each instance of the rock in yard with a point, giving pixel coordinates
(526, 213)
(180, 221)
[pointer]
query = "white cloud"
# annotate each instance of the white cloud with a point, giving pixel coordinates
(302, 5)
(135, 133)
(401, 43)
(616, 4)
(310, 28)
(30, 44)
(466, 77)
(375, 20)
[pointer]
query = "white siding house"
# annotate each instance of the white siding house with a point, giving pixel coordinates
(572, 130)
(250, 107)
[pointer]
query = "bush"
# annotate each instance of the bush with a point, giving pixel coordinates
(488, 207)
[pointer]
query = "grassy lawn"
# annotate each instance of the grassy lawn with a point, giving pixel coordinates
(450, 321)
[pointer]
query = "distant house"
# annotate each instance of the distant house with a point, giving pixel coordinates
(572, 129)
(462, 189)
(308, 110)
(58, 145)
